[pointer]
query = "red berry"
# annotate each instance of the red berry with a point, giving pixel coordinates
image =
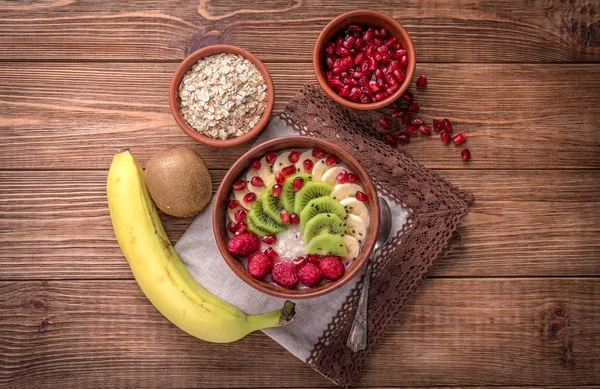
(423, 129)
(360, 196)
(385, 123)
(447, 125)
(407, 96)
(250, 197)
(331, 160)
(403, 137)
(256, 164)
(243, 244)
(342, 177)
(416, 122)
(437, 125)
(298, 262)
(422, 81)
(239, 185)
(308, 165)
(289, 170)
(285, 216)
(279, 177)
(458, 139)
(414, 106)
(276, 190)
(285, 275)
(239, 215)
(259, 265)
(412, 130)
(331, 267)
(232, 227)
(313, 258)
(271, 157)
(465, 154)
(310, 275)
(231, 203)
(269, 239)
(271, 253)
(352, 178)
(298, 182)
(241, 227)
(318, 153)
(294, 156)
(446, 136)
(257, 181)
(294, 219)
(391, 139)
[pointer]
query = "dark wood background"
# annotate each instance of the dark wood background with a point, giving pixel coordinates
(518, 305)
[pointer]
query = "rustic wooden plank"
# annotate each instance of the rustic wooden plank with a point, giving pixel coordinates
(276, 30)
(515, 116)
(452, 332)
(55, 225)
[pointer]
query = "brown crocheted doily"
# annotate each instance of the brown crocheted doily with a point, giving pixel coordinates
(435, 208)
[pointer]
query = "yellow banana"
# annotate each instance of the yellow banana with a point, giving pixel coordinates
(159, 271)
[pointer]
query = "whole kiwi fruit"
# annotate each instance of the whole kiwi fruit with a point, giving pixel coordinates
(179, 181)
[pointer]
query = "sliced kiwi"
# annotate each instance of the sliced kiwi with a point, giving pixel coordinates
(324, 223)
(318, 206)
(253, 227)
(327, 244)
(260, 219)
(271, 205)
(287, 191)
(311, 190)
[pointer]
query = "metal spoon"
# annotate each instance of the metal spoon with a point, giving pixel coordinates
(357, 340)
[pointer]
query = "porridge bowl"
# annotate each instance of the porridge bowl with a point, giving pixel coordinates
(296, 217)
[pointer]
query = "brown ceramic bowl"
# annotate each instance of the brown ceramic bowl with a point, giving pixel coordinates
(240, 166)
(370, 18)
(175, 102)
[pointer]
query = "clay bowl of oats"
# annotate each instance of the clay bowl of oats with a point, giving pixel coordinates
(221, 95)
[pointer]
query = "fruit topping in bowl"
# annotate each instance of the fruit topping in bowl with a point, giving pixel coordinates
(298, 216)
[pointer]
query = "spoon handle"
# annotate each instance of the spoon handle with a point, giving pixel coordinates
(357, 340)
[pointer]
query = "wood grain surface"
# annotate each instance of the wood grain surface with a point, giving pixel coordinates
(517, 306)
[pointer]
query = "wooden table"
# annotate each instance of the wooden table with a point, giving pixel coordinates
(518, 305)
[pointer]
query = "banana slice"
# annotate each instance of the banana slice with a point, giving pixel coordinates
(356, 227)
(239, 196)
(353, 248)
(255, 189)
(331, 173)
(355, 207)
(265, 172)
(282, 161)
(342, 191)
(303, 157)
(318, 170)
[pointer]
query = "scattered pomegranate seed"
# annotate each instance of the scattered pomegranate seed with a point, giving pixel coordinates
(231, 203)
(276, 190)
(256, 164)
(232, 227)
(250, 197)
(416, 122)
(342, 177)
(298, 182)
(385, 123)
(239, 215)
(289, 170)
(294, 219)
(298, 262)
(406, 118)
(413, 106)
(392, 105)
(465, 154)
(271, 253)
(360, 196)
(458, 138)
(422, 81)
(403, 137)
(240, 228)
(285, 216)
(271, 157)
(412, 130)
(447, 125)
(257, 181)
(308, 165)
(446, 137)
(279, 177)
(269, 239)
(318, 153)
(407, 96)
(332, 159)
(397, 114)
(352, 178)
(437, 125)
(423, 129)
(313, 258)
(239, 185)
(294, 156)
(391, 139)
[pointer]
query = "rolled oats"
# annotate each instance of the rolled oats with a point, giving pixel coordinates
(223, 96)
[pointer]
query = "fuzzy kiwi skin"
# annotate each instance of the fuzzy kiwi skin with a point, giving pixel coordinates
(179, 181)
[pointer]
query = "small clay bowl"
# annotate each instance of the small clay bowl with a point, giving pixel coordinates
(175, 102)
(240, 166)
(369, 18)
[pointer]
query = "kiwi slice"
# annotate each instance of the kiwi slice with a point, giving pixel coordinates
(288, 195)
(327, 244)
(259, 218)
(324, 223)
(311, 190)
(253, 227)
(271, 205)
(321, 205)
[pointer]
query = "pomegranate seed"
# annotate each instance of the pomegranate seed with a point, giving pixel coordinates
(331, 160)
(385, 123)
(465, 154)
(377, 32)
(446, 136)
(403, 137)
(342, 51)
(360, 43)
(240, 228)
(369, 34)
(385, 59)
(365, 67)
(250, 197)
(239, 185)
(381, 96)
(352, 178)
(377, 42)
(358, 75)
(383, 49)
(335, 84)
(349, 81)
(289, 170)
(329, 62)
(338, 42)
(256, 164)
(285, 216)
(318, 153)
(365, 99)
(379, 74)
(269, 239)
(308, 165)
(400, 75)
(298, 182)
(374, 85)
(372, 63)
(271, 157)
(298, 262)
(342, 177)
(354, 28)
(294, 156)
(271, 253)
(414, 106)
(360, 58)
(344, 91)
(232, 227)
(239, 215)
(403, 61)
(276, 190)
(458, 139)
(365, 91)
(349, 42)
(294, 219)
(360, 196)
(411, 130)
(390, 79)
(407, 96)
(423, 129)
(397, 114)
(257, 181)
(416, 122)
(392, 89)
(437, 125)
(383, 32)
(279, 177)
(406, 118)
(391, 139)
(354, 93)
(392, 105)
(231, 203)
(422, 81)
(363, 81)
(393, 66)
(447, 125)
(329, 49)
(313, 258)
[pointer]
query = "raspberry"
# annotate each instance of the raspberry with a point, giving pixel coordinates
(310, 275)
(243, 244)
(332, 267)
(285, 275)
(259, 265)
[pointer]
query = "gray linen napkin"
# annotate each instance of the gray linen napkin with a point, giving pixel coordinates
(200, 254)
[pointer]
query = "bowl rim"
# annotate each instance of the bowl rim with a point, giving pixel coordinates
(241, 164)
(186, 65)
(317, 57)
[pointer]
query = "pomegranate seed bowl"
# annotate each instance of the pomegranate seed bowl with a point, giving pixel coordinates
(296, 217)
(364, 59)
